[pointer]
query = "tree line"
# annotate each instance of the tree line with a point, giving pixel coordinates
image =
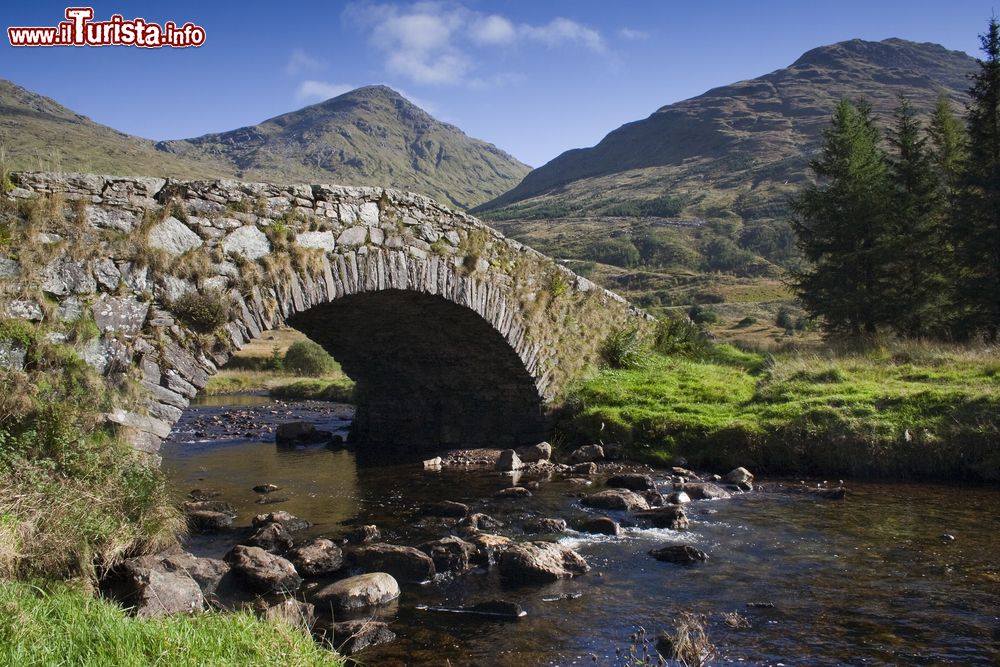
(901, 233)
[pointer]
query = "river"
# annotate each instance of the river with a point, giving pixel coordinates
(868, 580)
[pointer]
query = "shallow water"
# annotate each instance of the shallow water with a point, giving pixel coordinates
(863, 581)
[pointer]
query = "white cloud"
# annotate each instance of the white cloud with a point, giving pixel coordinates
(300, 62)
(430, 42)
(630, 34)
(318, 91)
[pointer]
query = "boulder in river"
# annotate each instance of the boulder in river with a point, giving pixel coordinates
(616, 499)
(318, 558)
(349, 637)
(587, 454)
(682, 554)
(512, 492)
(264, 571)
(632, 482)
(404, 563)
(364, 534)
(480, 521)
(671, 516)
(290, 522)
(535, 453)
(679, 498)
(447, 508)
(207, 572)
(586, 468)
(151, 590)
(738, 476)
(489, 547)
(360, 592)
(291, 434)
(206, 521)
(600, 525)
(509, 461)
(545, 525)
(450, 554)
(266, 488)
(272, 537)
(706, 491)
(540, 562)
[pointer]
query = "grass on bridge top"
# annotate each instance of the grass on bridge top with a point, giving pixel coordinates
(901, 410)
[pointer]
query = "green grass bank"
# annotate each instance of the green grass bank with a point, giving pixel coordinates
(903, 410)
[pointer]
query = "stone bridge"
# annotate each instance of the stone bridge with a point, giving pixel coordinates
(455, 335)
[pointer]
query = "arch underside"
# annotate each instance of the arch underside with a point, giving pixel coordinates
(430, 374)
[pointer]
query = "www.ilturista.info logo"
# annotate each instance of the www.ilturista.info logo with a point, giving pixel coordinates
(79, 29)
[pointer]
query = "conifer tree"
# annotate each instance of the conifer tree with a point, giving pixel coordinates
(976, 225)
(917, 257)
(842, 225)
(947, 144)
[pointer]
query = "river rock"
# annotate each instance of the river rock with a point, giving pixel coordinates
(706, 491)
(319, 558)
(508, 461)
(480, 521)
(209, 506)
(290, 522)
(601, 525)
(290, 434)
(670, 516)
(738, 476)
(450, 554)
(512, 492)
(447, 508)
(587, 454)
(545, 525)
(540, 562)
(264, 571)
(616, 499)
(489, 547)
(632, 482)
(434, 463)
(349, 637)
(272, 537)
(679, 498)
(360, 592)
(290, 611)
(363, 534)
(584, 469)
(205, 521)
(404, 563)
(266, 488)
(682, 554)
(689, 475)
(150, 590)
(207, 572)
(535, 453)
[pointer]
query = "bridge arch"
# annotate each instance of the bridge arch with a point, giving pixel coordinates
(456, 335)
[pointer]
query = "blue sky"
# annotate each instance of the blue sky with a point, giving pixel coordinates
(535, 78)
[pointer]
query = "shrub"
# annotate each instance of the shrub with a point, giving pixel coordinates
(676, 336)
(203, 311)
(784, 319)
(308, 358)
(623, 348)
(701, 315)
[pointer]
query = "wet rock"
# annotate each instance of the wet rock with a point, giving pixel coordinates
(616, 499)
(290, 611)
(319, 558)
(706, 491)
(686, 474)
(207, 572)
(671, 516)
(272, 537)
(679, 498)
(291, 434)
(360, 592)
(512, 492)
(272, 500)
(480, 521)
(404, 563)
(508, 461)
(489, 547)
(584, 469)
(535, 453)
(205, 521)
(681, 554)
(738, 476)
(653, 498)
(545, 525)
(587, 454)
(632, 482)
(290, 522)
(350, 637)
(540, 562)
(500, 608)
(363, 534)
(151, 590)
(579, 481)
(266, 488)
(450, 554)
(447, 508)
(434, 463)
(209, 506)
(600, 525)
(263, 571)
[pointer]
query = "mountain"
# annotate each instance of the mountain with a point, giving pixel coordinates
(37, 133)
(370, 136)
(736, 148)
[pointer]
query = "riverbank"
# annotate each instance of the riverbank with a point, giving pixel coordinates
(908, 410)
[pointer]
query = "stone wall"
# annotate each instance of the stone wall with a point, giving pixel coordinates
(456, 335)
